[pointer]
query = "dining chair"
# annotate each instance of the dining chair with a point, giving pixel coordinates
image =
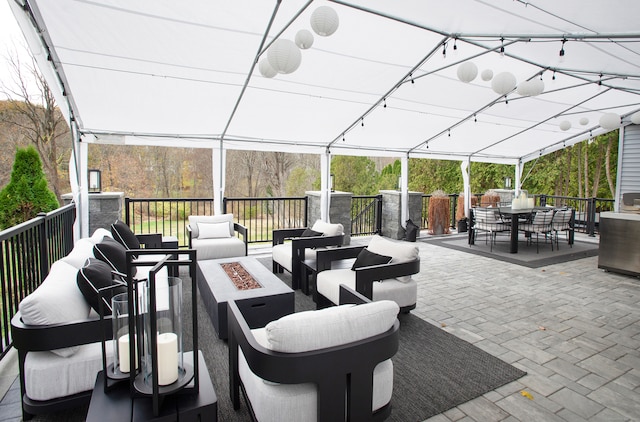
(541, 223)
(489, 220)
(562, 222)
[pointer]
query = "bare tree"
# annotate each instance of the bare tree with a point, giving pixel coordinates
(33, 111)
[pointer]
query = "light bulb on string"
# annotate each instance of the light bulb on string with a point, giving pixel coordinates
(502, 47)
(385, 103)
(362, 122)
(561, 53)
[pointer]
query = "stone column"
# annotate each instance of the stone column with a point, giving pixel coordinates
(392, 212)
(104, 208)
(339, 210)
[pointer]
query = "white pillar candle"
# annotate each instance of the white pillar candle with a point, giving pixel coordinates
(123, 353)
(167, 358)
(531, 202)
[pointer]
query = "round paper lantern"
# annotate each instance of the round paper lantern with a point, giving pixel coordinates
(610, 121)
(584, 121)
(324, 21)
(635, 118)
(565, 125)
(503, 83)
(265, 69)
(531, 88)
(304, 39)
(284, 56)
(467, 71)
(487, 75)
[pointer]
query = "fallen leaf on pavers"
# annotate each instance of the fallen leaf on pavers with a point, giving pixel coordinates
(541, 328)
(526, 394)
(543, 270)
(442, 324)
(563, 273)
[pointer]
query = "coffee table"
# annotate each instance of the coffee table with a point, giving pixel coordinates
(264, 303)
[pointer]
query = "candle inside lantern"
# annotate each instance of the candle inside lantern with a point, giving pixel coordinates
(123, 353)
(167, 358)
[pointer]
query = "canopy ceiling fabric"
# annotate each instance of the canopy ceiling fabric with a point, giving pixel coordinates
(170, 73)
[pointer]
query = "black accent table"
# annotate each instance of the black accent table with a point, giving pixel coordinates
(119, 406)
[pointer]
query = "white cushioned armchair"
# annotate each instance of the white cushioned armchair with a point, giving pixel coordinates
(327, 365)
(383, 273)
(214, 236)
(292, 246)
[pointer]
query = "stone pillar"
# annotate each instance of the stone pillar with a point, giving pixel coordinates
(339, 210)
(392, 212)
(104, 208)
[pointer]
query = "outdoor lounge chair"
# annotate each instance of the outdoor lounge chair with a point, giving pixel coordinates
(292, 246)
(382, 270)
(327, 365)
(214, 236)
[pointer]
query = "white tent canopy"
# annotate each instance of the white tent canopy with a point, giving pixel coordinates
(160, 72)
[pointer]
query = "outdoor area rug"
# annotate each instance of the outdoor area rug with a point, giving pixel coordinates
(526, 255)
(433, 370)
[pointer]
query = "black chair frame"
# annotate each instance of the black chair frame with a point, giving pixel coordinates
(298, 248)
(334, 370)
(365, 276)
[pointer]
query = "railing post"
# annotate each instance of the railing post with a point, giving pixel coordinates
(127, 215)
(224, 205)
(306, 211)
(454, 199)
(44, 245)
(591, 217)
(379, 214)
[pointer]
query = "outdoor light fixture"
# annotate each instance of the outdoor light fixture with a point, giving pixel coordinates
(95, 181)
(565, 125)
(561, 54)
(324, 21)
(304, 39)
(467, 71)
(584, 121)
(507, 182)
(610, 121)
(503, 83)
(487, 75)
(332, 182)
(531, 88)
(635, 118)
(265, 69)
(284, 56)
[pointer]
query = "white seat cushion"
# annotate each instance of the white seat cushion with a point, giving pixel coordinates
(399, 251)
(227, 247)
(282, 254)
(403, 291)
(82, 250)
(48, 375)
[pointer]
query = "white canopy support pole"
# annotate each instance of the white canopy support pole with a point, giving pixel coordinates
(465, 167)
(519, 169)
(218, 165)
(82, 206)
(325, 188)
(404, 190)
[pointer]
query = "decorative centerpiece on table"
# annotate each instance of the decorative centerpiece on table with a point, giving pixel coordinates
(439, 213)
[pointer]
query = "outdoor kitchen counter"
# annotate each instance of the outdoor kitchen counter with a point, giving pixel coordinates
(620, 243)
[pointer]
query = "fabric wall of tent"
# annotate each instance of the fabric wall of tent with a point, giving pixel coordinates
(504, 81)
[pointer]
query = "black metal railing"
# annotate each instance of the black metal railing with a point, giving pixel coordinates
(27, 252)
(366, 215)
(262, 215)
(588, 210)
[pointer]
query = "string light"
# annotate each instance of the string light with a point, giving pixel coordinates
(475, 119)
(411, 76)
(384, 100)
(343, 137)
(562, 48)
(553, 78)
(502, 47)
(455, 44)
(362, 122)
(449, 133)
(444, 50)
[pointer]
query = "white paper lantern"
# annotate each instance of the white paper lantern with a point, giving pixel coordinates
(565, 125)
(503, 83)
(635, 118)
(584, 121)
(610, 121)
(265, 69)
(324, 21)
(531, 88)
(304, 39)
(487, 75)
(467, 71)
(284, 56)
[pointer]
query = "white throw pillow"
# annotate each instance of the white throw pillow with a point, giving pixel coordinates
(399, 251)
(213, 230)
(328, 229)
(99, 234)
(82, 250)
(312, 330)
(195, 220)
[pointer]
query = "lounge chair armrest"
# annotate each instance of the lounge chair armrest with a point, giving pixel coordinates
(242, 230)
(365, 276)
(150, 240)
(347, 295)
(190, 235)
(325, 257)
(280, 235)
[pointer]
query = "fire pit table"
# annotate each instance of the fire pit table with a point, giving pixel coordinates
(264, 295)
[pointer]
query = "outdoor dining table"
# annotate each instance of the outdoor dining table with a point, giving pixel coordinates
(515, 214)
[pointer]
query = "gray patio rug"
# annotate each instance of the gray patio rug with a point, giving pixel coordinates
(433, 370)
(526, 255)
